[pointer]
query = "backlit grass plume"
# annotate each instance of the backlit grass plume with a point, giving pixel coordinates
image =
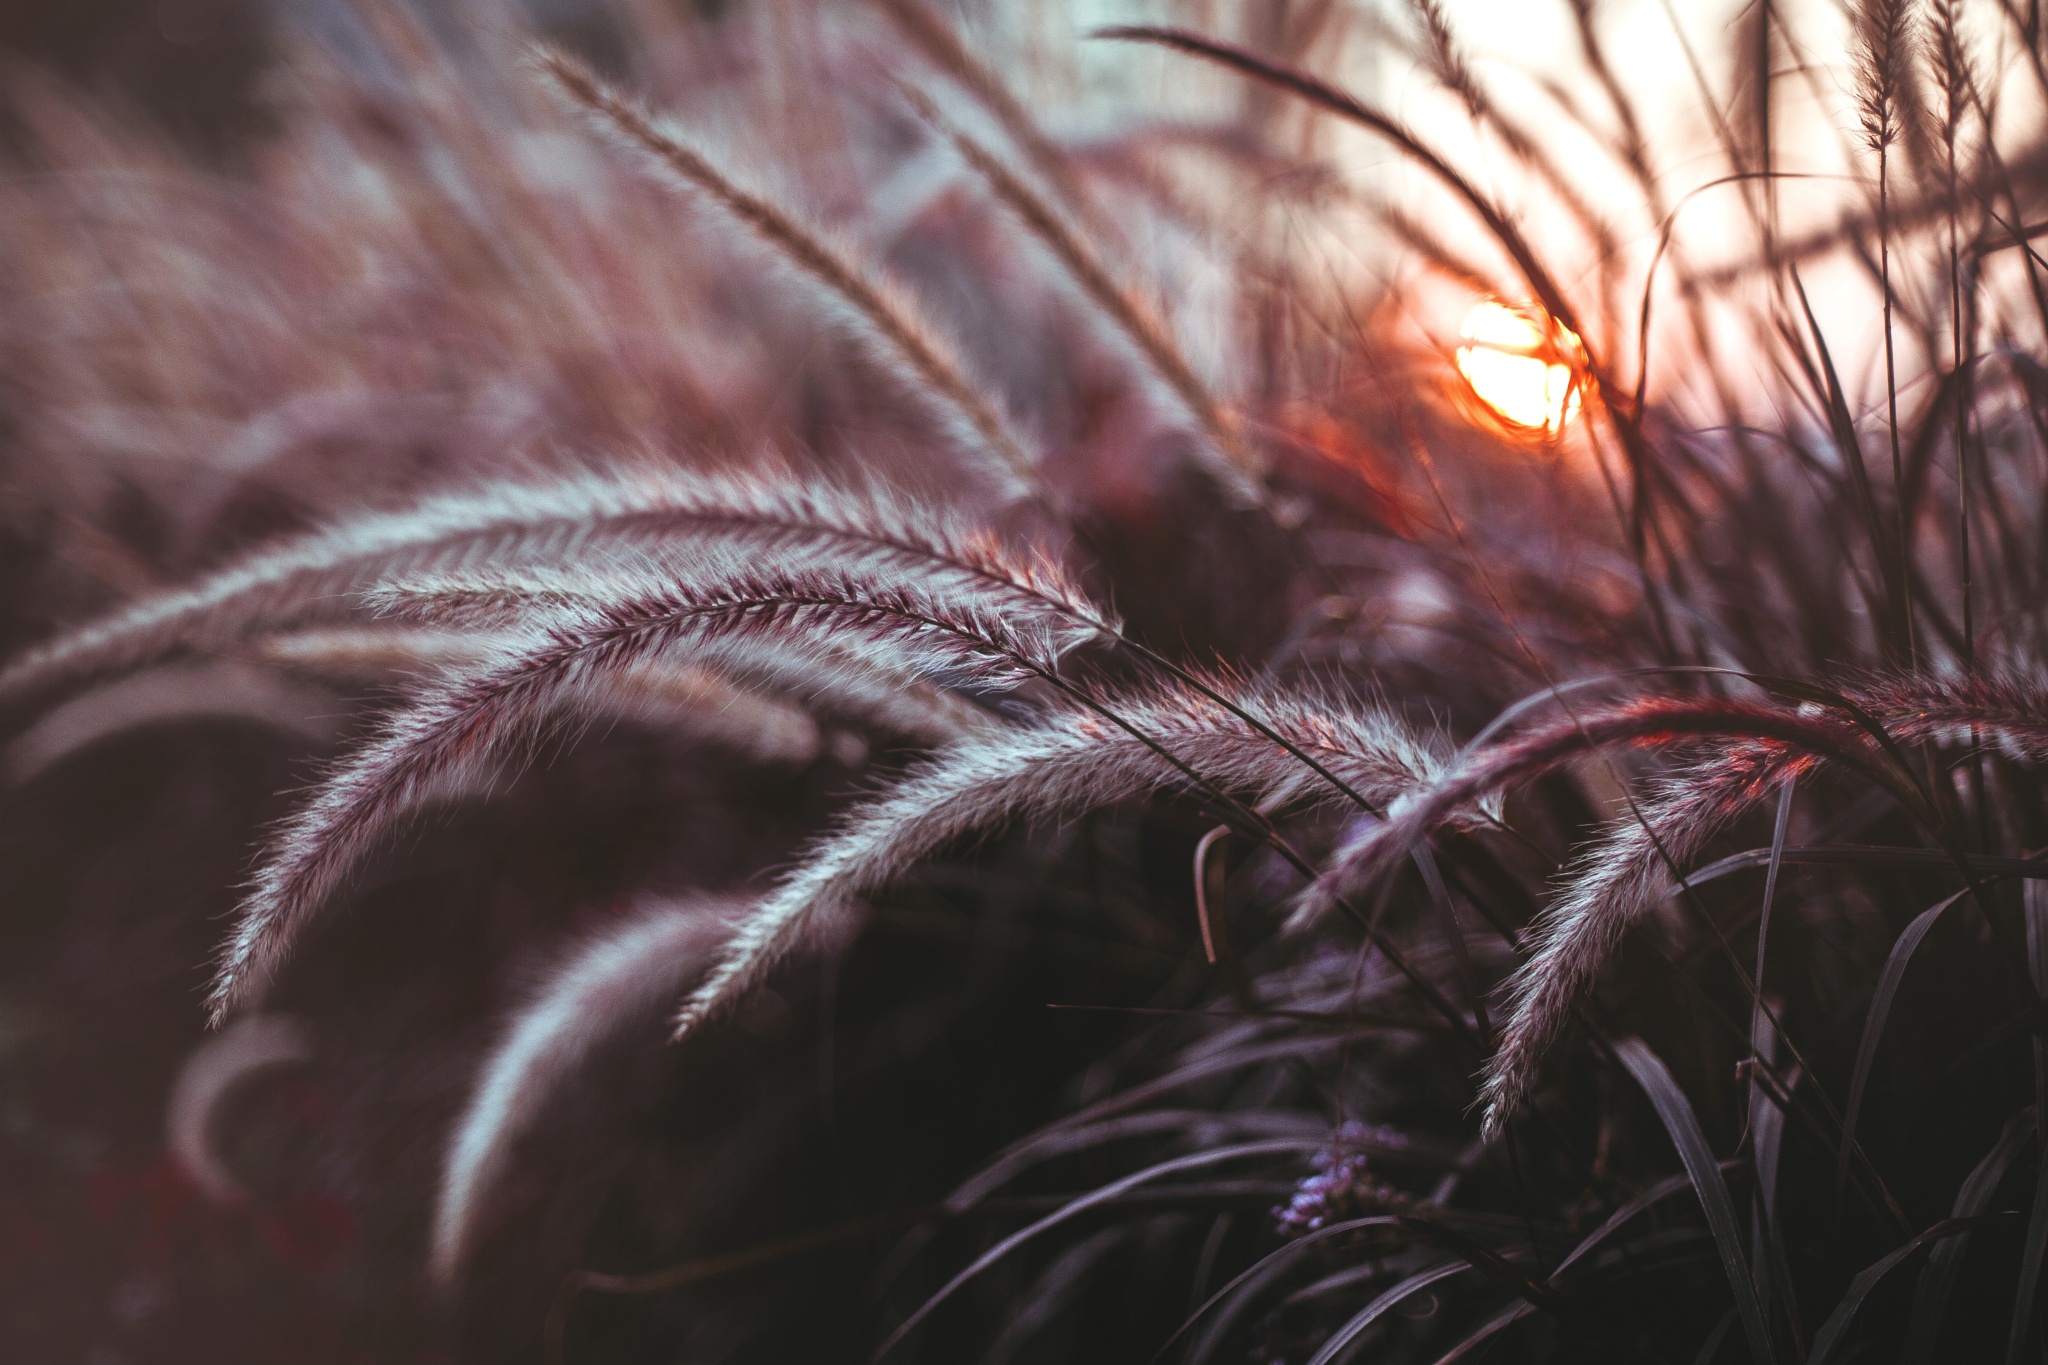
(1119, 748)
(901, 679)
(979, 617)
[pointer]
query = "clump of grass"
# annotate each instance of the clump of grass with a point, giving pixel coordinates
(1591, 909)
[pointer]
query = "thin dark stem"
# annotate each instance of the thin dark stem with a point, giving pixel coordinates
(1963, 403)
(1891, 393)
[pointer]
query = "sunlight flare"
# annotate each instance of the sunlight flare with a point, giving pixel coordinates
(1528, 380)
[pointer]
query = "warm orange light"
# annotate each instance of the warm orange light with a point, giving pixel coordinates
(1527, 378)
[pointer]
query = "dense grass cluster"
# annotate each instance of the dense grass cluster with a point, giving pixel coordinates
(888, 707)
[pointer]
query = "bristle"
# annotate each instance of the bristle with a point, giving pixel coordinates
(953, 56)
(217, 690)
(381, 654)
(1446, 61)
(1237, 469)
(205, 1079)
(883, 311)
(604, 986)
(1655, 723)
(1883, 68)
(515, 527)
(1611, 887)
(1069, 763)
(1948, 58)
(995, 631)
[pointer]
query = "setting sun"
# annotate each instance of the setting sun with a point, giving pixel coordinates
(1520, 374)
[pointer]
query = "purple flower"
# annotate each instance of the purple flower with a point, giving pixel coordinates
(1341, 1188)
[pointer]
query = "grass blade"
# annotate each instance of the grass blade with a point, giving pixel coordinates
(1763, 927)
(1679, 1120)
(1619, 1219)
(1380, 1307)
(1766, 1119)
(1843, 428)
(1930, 1297)
(1712, 1345)
(2025, 1296)
(1093, 1199)
(1488, 1262)
(1837, 1326)
(1493, 1328)
(1888, 983)
(1453, 932)
(2036, 901)
(1250, 1281)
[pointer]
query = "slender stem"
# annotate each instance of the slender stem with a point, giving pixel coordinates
(1891, 393)
(1962, 401)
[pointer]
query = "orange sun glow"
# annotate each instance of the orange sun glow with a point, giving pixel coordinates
(1525, 377)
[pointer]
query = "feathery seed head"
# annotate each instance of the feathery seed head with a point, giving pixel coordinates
(1885, 39)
